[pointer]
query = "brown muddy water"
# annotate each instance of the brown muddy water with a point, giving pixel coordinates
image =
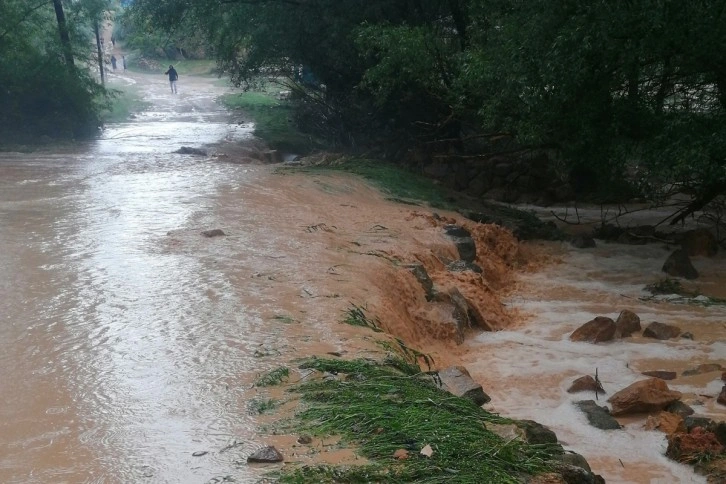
(129, 342)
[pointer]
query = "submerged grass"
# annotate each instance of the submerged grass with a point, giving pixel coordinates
(274, 377)
(356, 316)
(123, 102)
(273, 120)
(381, 408)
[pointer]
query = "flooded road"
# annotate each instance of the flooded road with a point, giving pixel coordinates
(121, 356)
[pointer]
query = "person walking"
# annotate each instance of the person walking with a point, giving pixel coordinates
(123, 62)
(113, 62)
(173, 77)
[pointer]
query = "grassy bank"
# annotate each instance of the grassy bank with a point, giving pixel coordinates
(391, 407)
(123, 102)
(272, 119)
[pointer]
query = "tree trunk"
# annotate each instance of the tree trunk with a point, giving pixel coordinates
(63, 30)
(100, 52)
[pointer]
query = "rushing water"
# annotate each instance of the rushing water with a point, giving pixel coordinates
(117, 354)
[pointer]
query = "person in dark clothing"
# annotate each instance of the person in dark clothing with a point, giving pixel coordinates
(173, 76)
(123, 62)
(113, 62)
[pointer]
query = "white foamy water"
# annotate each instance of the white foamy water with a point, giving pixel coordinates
(528, 370)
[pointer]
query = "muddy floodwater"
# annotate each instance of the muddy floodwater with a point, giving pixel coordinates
(129, 342)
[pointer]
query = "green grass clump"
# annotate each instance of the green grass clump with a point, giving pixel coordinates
(122, 103)
(274, 377)
(258, 406)
(273, 120)
(380, 409)
(355, 316)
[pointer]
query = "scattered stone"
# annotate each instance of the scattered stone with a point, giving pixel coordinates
(643, 396)
(199, 453)
(575, 459)
(695, 445)
(506, 431)
(627, 323)
(661, 331)
(536, 433)
(304, 439)
(599, 417)
(457, 381)
(704, 368)
(422, 276)
(585, 384)
(400, 454)
(679, 408)
(213, 233)
(679, 264)
(583, 242)
(662, 374)
(463, 242)
(666, 422)
(265, 455)
(687, 335)
(427, 451)
(577, 475)
(188, 150)
(722, 396)
(462, 265)
(699, 242)
(595, 331)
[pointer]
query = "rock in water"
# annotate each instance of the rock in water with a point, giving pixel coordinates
(628, 323)
(213, 233)
(661, 331)
(265, 455)
(188, 150)
(585, 384)
(699, 242)
(599, 417)
(456, 380)
(679, 264)
(595, 331)
(644, 396)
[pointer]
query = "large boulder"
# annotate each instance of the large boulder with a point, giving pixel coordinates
(450, 310)
(666, 422)
(599, 417)
(457, 381)
(536, 433)
(699, 242)
(661, 331)
(645, 396)
(422, 276)
(679, 264)
(627, 323)
(595, 331)
(265, 455)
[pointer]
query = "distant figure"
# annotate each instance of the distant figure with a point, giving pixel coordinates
(113, 41)
(123, 62)
(113, 62)
(173, 76)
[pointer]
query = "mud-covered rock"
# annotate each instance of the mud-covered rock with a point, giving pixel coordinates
(536, 433)
(422, 276)
(679, 408)
(644, 396)
(703, 368)
(265, 455)
(457, 381)
(585, 384)
(679, 264)
(214, 233)
(188, 150)
(599, 417)
(627, 323)
(661, 331)
(666, 422)
(595, 331)
(662, 374)
(695, 445)
(463, 241)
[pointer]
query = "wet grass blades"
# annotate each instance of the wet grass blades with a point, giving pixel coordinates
(258, 406)
(380, 408)
(273, 377)
(356, 316)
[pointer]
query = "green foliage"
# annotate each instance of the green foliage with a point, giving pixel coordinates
(123, 102)
(42, 95)
(381, 409)
(258, 406)
(355, 316)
